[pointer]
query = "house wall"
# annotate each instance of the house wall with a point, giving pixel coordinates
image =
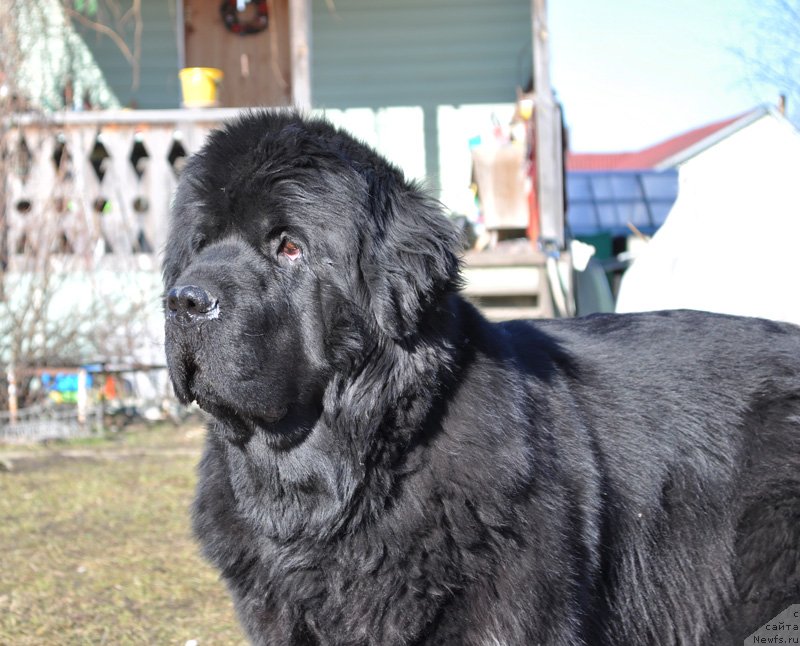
(416, 78)
(451, 64)
(158, 86)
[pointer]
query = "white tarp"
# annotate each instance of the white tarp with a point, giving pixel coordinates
(731, 242)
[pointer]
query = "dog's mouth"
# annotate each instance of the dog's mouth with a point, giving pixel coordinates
(265, 419)
(283, 427)
(209, 400)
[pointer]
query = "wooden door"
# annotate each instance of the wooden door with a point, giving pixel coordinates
(257, 67)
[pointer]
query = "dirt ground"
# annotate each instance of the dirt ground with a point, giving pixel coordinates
(95, 545)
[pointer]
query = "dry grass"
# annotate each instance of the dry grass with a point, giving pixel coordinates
(95, 546)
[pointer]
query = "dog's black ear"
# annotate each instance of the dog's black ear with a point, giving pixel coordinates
(409, 255)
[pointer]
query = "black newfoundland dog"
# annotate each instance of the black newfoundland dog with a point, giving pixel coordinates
(384, 466)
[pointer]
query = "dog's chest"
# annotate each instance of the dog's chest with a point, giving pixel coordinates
(359, 600)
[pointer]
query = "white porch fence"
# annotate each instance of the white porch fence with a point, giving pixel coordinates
(96, 186)
(107, 177)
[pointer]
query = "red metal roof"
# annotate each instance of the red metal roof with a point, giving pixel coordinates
(647, 157)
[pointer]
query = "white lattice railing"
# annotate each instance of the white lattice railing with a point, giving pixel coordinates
(96, 186)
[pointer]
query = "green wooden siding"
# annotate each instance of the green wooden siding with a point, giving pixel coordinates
(366, 53)
(426, 53)
(376, 53)
(159, 86)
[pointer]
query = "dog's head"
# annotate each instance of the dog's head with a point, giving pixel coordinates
(291, 246)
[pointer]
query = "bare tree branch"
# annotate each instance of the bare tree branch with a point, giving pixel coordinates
(116, 34)
(772, 57)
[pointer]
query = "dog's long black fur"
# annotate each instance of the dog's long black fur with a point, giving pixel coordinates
(384, 466)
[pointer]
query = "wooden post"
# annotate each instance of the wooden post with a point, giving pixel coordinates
(549, 162)
(299, 39)
(550, 169)
(83, 396)
(12, 395)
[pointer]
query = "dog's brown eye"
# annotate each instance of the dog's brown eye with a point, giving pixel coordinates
(290, 250)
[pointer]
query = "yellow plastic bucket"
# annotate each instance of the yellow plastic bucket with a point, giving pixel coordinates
(199, 86)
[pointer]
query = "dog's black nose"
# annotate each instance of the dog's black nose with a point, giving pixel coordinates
(191, 302)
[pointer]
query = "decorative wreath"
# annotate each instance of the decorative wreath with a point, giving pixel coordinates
(230, 17)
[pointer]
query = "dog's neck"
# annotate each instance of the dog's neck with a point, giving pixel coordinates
(348, 467)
